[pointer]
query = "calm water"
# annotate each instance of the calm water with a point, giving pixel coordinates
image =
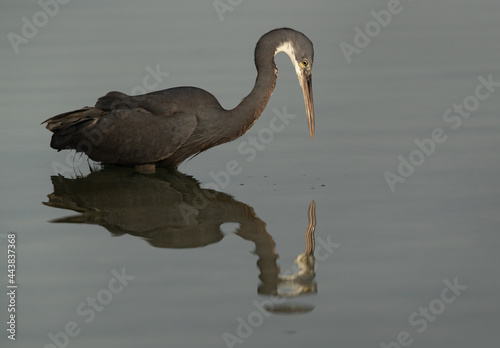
(403, 170)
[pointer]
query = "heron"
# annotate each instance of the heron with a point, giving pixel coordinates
(164, 128)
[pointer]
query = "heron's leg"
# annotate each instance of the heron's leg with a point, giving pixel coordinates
(146, 168)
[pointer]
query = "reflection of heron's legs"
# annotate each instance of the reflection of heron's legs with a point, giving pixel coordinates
(145, 168)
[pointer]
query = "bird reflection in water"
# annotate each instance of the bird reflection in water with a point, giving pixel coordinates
(302, 281)
(170, 210)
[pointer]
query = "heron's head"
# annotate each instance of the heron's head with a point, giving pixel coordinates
(300, 50)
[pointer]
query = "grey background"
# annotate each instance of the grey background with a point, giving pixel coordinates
(396, 248)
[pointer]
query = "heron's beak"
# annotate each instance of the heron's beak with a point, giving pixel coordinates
(306, 84)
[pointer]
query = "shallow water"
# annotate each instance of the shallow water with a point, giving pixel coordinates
(121, 259)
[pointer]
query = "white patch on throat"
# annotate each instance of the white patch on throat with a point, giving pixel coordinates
(287, 47)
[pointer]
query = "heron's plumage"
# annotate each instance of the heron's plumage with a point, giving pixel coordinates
(166, 127)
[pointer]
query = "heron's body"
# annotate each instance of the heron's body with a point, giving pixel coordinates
(166, 127)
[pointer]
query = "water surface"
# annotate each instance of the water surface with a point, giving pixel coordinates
(201, 273)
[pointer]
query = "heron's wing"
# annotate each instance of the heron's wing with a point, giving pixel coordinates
(157, 104)
(121, 136)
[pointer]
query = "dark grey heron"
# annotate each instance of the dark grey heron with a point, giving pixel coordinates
(164, 128)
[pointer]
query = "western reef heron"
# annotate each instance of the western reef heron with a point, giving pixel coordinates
(164, 128)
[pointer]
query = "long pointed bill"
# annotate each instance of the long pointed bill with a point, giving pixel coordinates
(306, 84)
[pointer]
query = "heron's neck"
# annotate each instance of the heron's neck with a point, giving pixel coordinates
(252, 106)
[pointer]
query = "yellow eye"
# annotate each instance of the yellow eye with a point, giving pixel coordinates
(304, 63)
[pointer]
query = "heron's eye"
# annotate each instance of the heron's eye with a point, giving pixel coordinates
(304, 63)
